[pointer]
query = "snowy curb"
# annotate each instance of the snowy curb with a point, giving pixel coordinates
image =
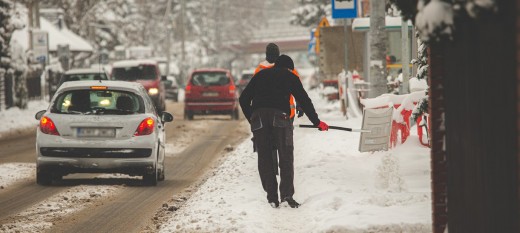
(17, 133)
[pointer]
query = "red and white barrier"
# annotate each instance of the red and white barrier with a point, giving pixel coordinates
(403, 105)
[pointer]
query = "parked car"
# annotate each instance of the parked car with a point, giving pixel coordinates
(171, 86)
(244, 79)
(145, 72)
(100, 127)
(211, 91)
(83, 75)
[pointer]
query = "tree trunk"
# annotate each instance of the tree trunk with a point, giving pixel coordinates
(2, 89)
(378, 40)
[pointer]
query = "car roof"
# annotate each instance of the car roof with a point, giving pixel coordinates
(131, 63)
(85, 71)
(124, 85)
(210, 70)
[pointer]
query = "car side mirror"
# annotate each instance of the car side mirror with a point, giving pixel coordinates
(163, 78)
(39, 114)
(166, 117)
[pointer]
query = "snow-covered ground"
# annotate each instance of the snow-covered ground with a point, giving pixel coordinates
(340, 189)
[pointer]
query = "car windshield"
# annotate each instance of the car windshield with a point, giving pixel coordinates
(107, 102)
(210, 79)
(84, 77)
(132, 73)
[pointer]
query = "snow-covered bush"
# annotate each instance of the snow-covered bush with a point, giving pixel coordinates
(12, 60)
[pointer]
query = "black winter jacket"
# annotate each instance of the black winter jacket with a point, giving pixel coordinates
(271, 88)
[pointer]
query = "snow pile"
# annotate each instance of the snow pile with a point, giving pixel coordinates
(418, 84)
(340, 189)
(15, 172)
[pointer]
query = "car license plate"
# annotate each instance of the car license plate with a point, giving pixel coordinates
(210, 94)
(96, 132)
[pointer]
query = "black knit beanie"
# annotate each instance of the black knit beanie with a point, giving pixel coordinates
(284, 61)
(271, 53)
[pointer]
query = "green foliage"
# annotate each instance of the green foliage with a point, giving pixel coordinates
(421, 108)
(422, 59)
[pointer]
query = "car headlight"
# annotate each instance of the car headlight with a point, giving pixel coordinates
(153, 91)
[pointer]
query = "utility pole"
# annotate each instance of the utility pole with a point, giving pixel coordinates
(216, 35)
(378, 38)
(36, 13)
(183, 38)
(168, 24)
(30, 8)
(345, 45)
(405, 86)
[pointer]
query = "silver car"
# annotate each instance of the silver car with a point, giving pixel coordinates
(101, 127)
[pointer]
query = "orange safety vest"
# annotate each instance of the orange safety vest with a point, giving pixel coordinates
(292, 102)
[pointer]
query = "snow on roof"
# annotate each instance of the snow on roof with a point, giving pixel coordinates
(84, 71)
(56, 37)
(363, 24)
(210, 70)
(110, 84)
(130, 63)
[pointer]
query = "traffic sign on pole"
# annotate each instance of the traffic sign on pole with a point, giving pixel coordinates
(344, 9)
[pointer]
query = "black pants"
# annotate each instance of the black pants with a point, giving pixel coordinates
(273, 129)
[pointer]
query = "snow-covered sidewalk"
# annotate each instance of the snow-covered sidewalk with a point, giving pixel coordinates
(18, 121)
(340, 189)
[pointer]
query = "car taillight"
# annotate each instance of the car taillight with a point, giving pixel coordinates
(145, 128)
(48, 127)
(232, 89)
(188, 89)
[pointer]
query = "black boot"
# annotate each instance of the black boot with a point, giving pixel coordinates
(292, 203)
(274, 204)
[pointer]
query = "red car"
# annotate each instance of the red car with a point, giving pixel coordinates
(145, 72)
(211, 91)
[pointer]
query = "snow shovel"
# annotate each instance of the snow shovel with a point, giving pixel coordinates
(337, 128)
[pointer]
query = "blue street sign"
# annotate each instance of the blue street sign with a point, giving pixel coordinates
(344, 9)
(312, 44)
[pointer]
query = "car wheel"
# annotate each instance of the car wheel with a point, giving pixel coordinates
(161, 175)
(188, 115)
(150, 179)
(43, 178)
